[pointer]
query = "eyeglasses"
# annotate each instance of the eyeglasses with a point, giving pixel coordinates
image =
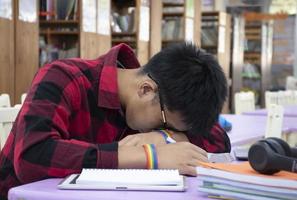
(165, 125)
(161, 104)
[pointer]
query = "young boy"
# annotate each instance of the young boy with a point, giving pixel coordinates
(103, 113)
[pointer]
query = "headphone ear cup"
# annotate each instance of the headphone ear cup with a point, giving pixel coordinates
(260, 156)
(275, 146)
(284, 145)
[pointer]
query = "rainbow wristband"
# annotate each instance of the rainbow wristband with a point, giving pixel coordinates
(151, 156)
(167, 136)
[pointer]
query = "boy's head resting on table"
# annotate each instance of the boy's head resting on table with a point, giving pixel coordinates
(184, 81)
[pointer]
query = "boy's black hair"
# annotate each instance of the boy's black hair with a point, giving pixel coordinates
(191, 82)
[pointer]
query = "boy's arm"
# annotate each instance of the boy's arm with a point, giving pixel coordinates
(44, 144)
(218, 141)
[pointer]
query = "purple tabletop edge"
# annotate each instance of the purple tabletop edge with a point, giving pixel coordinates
(47, 190)
(289, 111)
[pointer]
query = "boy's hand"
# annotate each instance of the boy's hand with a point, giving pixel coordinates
(178, 136)
(153, 137)
(183, 156)
(143, 138)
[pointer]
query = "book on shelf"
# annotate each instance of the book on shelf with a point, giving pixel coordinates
(50, 52)
(209, 36)
(124, 23)
(209, 33)
(239, 180)
(58, 9)
(125, 179)
(176, 9)
(172, 28)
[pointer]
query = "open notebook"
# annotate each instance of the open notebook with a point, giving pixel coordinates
(125, 179)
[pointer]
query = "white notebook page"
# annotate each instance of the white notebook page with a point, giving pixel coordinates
(129, 177)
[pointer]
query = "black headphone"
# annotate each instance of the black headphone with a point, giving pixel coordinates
(271, 155)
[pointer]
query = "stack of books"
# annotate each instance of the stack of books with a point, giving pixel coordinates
(240, 181)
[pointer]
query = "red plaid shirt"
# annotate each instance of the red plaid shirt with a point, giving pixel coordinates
(72, 119)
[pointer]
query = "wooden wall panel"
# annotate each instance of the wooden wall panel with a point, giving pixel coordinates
(224, 58)
(237, 57)
(155, 27)
(197, 22)
(26, 57)
(7, 57)
(88, 45)
(93, 45)
(142, 52)
(104, 42)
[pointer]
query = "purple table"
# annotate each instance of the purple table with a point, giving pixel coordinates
(249, 128)
(47, 190)
(245, 129)
(289, 111)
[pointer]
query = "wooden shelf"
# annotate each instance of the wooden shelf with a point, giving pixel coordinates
(210, 26)
(172, 40)
(58, 21)
(128, 34)
(210, 13)
(120, 40)
(251, 37)
(173, 14)
(251, 77)
(173, 4)
(209, 46)
(59, 32)
(255, 53)
(253, 31)
(252, 26)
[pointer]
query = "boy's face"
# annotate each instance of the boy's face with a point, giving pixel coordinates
(143, 112)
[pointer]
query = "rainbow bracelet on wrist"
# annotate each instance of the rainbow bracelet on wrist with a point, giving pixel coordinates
(151, 156)
(167, 136)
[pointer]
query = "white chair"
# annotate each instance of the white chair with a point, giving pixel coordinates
(4, 100)
(283, 98)
(291, 83)
(7, 117)
(244, 102)
(274, 121)
(271, 98)
(23, 97)
(294, 97)
(291, 97)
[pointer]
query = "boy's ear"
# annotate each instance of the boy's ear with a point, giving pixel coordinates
(147, 89)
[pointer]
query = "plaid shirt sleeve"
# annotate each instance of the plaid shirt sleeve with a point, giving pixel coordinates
(217, 142)
(44, 146)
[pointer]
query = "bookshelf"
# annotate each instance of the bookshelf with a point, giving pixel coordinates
(216, 39)
(181, 21)
(130, 24)
(257, 59)
(73, 28)
(7, 49)
(59, 30)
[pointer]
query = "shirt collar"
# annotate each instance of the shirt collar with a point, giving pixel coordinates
(108, 96)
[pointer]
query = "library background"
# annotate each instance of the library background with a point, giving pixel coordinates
(253, 40)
